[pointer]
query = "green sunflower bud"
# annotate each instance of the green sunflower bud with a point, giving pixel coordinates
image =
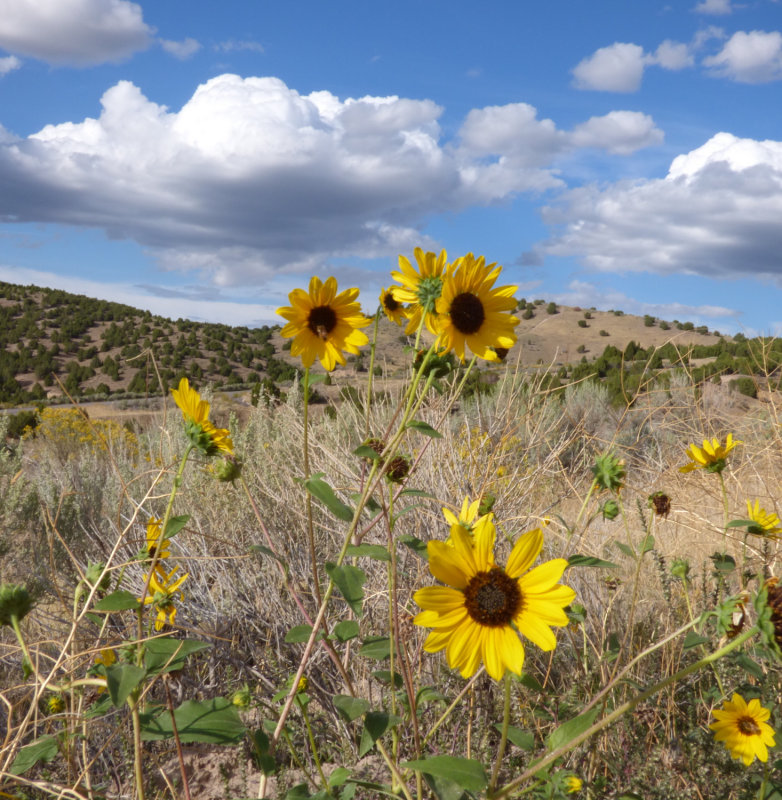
(398, 468)
(93, 576)
(609, 472)
(200, 438)
(610, 509)
(15, 603)
(227, 469)
(242, 697)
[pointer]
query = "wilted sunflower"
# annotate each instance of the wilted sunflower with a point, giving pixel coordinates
(201, 432)
(323, 323)
(479, 615)
(743, 728)
(472, 312)
(162, 589)
(764, 523)
(420, 288)
(711, 456)
(392, 308)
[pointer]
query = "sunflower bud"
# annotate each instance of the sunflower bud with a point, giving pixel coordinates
(661, 503)
(398, 468)
(55, 704)
(610, 509)
(93, 576)
(303, 684)
(241, 697)
(609, 472)
(486, 504)
(228, 468)
(15, 603)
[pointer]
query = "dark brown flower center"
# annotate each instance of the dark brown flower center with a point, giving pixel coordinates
(492, 598)
(322, 321)
(747, 726)
(467, 313)
(389, 302)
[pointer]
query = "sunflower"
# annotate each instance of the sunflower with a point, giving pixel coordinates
(324, 323)
(392, 308)
(469, 516)
(573, 784)
(154, 546)
(477, 616)
(711, 456)
(201, 432)
(162, 589)
(764, 523)
(743, 728)
(470, 311)
(420, 288)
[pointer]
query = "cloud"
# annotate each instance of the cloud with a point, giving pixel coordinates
(620, 132)
(249, 177)
(181, 50)
(754, 57)
(73, 32)
(620, 66)
(9, 64)
(715, 214)
(717, 7)
(232, 45)
(617, 68)
(589, 295)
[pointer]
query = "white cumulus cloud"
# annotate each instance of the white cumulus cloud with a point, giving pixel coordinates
(715, 214)
(181, 50)
(749, 57)
(9, 64)
(74, 32)
(617, 68)
(718, 7)
(621, 132)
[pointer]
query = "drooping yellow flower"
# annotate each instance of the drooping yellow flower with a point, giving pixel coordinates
(163, 587)
(765, 522)
(204, 435)
(472, 312)
(573, 784)
(323, 323)
(711, 456)
(392, 308)
(420, 288)
(155, 547)
(107, 657)
(743, 728)
(477, 616)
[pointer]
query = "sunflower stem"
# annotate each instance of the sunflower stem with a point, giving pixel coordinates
(307, 496)
(620, 711)
(503, 734)
(763, 783)
(370, 378)
(725, 509)
(313, 746)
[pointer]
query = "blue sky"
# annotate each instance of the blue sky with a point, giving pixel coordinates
(202, 159)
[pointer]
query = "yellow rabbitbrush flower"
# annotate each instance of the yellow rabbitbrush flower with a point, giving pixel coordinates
(472, 312)
(711, 456)
(420, 288)
(765, 523)
(323, 323)
(479, 615)
(743, 728)
(202, 433)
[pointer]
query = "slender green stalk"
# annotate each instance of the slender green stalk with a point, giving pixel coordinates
(26, 653)
(307, 496)
(370, 379)
(764, 783)
(503, 735)
(620, 711)
(313, 746)
(725, 507)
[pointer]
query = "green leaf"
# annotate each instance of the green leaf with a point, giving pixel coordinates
(377, 788)
(346, 630)
(322, 491)
(260, 752)
(169, 654)
(350, 708)
(349, 580)
(384, 676)
(750, 665)
(174, 525)
(415, 544)
(376, 723)
(531, 682)
(213, 721)
(577, 560)
(647, 544)
(570, 729)
(267, 551)
(117, 601)
(121, 680)
(626, 549)
(43, 749)
(339, 776)
(466, 772)
(364, 451)
(693, 639)
(370, 504)
(417, 493)
(377, 647)
(428, 694)
(521, 738)
(425, 428)
(301, 633)
(376, 551)
(741, 523)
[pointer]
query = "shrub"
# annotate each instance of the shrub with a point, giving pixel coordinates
(745, 385)
(604, 333)
(582, 323)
